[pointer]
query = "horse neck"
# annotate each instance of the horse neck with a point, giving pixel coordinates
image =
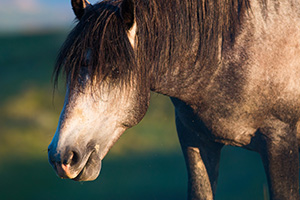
(183, 51)
(174, 48)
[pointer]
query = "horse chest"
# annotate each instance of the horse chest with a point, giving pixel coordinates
(231, 110)
(206, 123)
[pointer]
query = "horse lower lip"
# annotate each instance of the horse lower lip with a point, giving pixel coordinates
(77, 178)
(91, 169)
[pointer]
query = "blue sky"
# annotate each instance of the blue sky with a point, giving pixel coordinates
(31, 15)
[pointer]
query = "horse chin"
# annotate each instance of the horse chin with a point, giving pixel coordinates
(91, 170)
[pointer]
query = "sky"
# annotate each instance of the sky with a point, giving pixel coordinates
(33, 15)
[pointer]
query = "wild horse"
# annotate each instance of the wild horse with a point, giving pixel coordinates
(231, 68)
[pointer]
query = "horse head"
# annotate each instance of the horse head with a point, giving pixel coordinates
(106, 92)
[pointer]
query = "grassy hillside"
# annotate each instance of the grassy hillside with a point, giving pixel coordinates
(146, 163)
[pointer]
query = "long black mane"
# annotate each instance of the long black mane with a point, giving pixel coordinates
(98, 45)
(185, 38)
(171, 34)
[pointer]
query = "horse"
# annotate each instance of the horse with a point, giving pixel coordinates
(231, 69)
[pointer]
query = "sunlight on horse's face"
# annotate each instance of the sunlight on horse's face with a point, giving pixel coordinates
(99, 107)
(90, 123)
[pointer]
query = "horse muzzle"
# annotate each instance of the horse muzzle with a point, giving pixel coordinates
(74, 164)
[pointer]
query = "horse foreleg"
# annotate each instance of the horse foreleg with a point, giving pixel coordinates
(279, 154)
(202, 160)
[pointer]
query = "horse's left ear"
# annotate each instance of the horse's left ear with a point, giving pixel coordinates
(127, 12)
(79, 7)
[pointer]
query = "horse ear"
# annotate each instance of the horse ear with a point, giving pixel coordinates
(79, 7)
(127, 12)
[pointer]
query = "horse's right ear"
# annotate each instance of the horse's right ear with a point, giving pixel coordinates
(79, 7)
(127, 12)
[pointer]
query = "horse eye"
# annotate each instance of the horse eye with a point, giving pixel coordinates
(83, 75)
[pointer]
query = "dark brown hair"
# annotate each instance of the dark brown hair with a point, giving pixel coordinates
(166, 31)
(99, 45)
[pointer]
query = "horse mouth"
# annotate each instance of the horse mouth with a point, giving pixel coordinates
(91, 169)
(87, 170)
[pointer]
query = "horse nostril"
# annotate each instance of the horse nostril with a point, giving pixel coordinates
(72, 158)
(75, 158)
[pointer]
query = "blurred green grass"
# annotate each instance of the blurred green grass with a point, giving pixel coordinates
(146, 163)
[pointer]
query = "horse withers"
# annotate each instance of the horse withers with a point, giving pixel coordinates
(231, 68)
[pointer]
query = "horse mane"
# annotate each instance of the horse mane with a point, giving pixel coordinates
(181, 34)
(98, 44)
(167, 30)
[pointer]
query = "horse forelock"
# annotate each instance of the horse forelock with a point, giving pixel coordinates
(99, 45)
